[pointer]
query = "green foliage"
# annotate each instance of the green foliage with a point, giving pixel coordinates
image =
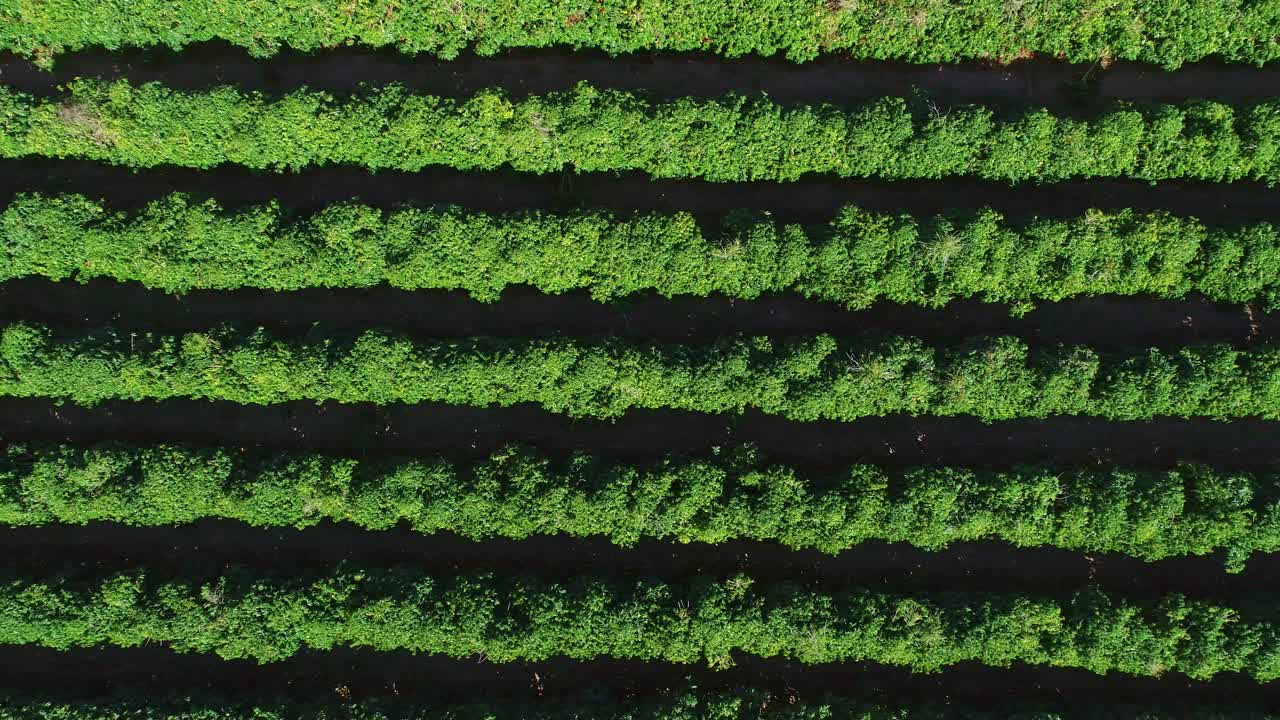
(518, 492)
(176, 243)
(682, 703)
(268, 617)
(802, 378)
(1167, 32)
(731, 138)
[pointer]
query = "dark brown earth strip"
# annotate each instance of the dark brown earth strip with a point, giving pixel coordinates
(808, 200)
(648, 434)
(342, 673)
(522, 312)
(209, 545)
(1103, 322)
(524, 72)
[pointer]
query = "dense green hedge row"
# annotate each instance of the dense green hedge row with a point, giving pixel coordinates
(518, 492)
(803, 378)
(1168, 32)
(268, 617)
(683, 703)
(732, 138)
(176, 243)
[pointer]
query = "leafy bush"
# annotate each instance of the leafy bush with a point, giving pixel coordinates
(177, 243)
(731, 138)
(1167, 32)
(518, 492)
(802, 378)
(268, 617)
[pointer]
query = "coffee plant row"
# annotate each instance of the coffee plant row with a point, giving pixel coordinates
(802, 378)
(731, 495)
(177, 243)
(1167, 32)
(270, 616)
(730, 138)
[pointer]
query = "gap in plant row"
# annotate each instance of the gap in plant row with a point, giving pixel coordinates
(469, 432)
(363, 674)
(976, 566)
(809, 200)
(523, 312)
(1043, 81)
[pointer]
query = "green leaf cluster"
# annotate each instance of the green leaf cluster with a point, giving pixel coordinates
(518, 492)
(177, 243)
(802, 378)
(729, 138)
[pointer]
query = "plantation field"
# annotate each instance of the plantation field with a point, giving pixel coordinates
(639, 359)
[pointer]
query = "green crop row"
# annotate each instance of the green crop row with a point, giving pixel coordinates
(802, 378)
(518, 492)
(1168, 32)
(270, 616)
(682, 703)
(731, 138)
(176, 243)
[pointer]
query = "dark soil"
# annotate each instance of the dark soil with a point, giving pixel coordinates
(1103, 322)
(813, 199)
(831, 79)
(209, 545)
(337, 674)
(648, 434)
